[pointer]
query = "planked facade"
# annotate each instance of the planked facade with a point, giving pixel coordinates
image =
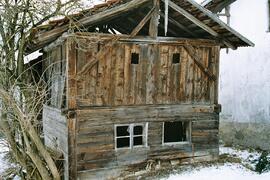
(123, 102)
(115, 91)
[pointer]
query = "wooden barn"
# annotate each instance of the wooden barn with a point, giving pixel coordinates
(133, 85)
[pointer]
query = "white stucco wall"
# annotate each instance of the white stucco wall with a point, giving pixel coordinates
(245, 73)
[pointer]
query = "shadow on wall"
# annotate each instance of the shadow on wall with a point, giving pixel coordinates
(252, 135)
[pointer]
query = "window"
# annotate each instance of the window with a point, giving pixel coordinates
(131, 135)
(176, 58)
(134, 58)
(176, 132)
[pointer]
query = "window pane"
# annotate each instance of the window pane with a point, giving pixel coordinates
(137, 141)
(122, 142)
(138, 130)
(122, 131)
(175, 131)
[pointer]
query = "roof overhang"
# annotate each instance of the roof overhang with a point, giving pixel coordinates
(216, 6)
(187, 19)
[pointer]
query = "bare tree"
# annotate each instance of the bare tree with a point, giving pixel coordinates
(21, 100)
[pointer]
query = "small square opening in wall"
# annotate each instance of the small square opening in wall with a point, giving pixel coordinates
(131, 135)
(134, 58)
(176, 58)
(175, 132)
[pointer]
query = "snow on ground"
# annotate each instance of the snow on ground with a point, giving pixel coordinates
(3, 164)
(227, 171)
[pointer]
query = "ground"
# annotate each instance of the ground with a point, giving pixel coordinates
(3, 164)
(234, 164)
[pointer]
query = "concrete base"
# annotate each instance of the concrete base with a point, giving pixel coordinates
(254, 135)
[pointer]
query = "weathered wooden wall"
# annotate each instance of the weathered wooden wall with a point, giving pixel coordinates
(114, 91)
(56, 132)
(96, 145)
(115, 81)
(54, 68)
(153, 91)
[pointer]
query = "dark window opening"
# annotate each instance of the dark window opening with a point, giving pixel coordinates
(122, 131)
(138, 141)
(138, 130)
(123, 142)
(175, 132)
(176, 58)
(134, 58)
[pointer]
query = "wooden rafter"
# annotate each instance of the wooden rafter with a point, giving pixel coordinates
(49, 36)
(198, 61)
(143, 22)
(199, 23)
(220, 22)
(179, 25)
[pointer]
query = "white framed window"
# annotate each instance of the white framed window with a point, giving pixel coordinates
(176, 132)
(129, 136)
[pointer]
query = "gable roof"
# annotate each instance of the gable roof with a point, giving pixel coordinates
(187, 19)
(216, 6)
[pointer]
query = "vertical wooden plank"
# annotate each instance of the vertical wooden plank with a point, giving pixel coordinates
(81, 56)
(150, 74)
(170, 77)
(183, 69)
(106, 75)
(162, 95)
(141, 78)
(204, 78)
(99, 88)
(119, 80)
(135, 68)
(156, 73)
(127, 75)
(196, 82)
(214, 67)
(177, 76)
(91, 77)
(189, 79)
(111, 97)
(72, 145)
(216, 72)
(71, 68)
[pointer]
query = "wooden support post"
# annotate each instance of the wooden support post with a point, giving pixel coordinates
(153, 27)
(196, 58)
